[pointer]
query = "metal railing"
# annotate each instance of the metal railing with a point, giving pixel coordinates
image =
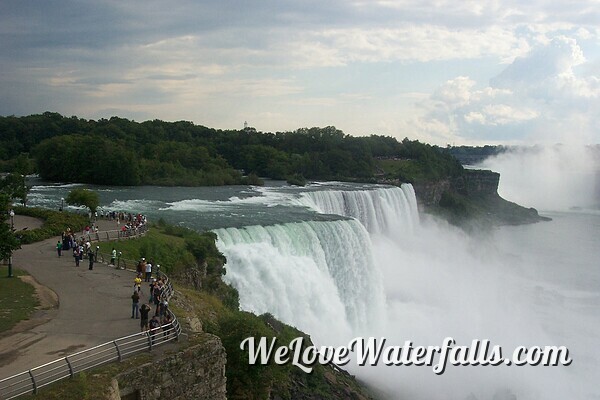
(117, 234)
(32, 380)
(120, 262)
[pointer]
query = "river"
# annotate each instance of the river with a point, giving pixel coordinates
(344, 260)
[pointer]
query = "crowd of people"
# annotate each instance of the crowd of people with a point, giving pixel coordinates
(146, 271)
(80, 247)
(157, 296)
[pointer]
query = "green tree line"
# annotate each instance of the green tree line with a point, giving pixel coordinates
(119, 151)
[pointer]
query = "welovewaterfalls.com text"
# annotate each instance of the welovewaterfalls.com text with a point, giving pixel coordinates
(374, 351)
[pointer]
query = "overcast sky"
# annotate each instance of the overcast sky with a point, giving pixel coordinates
(461, 72)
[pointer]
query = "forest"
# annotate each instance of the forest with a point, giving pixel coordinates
(119, 151)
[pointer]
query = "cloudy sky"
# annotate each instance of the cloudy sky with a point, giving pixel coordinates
(461, 72)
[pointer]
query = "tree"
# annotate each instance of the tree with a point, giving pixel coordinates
(83, 197)
(13, 185)
(8, 241)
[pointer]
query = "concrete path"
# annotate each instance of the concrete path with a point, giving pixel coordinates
(94, 307)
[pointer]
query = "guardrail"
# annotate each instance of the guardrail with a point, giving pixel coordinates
(32, 380)
(116, 234)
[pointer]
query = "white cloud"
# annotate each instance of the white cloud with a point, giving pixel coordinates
(539, 97)
(359, 64)
(409, 43)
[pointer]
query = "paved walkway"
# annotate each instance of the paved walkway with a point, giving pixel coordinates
(94, 307)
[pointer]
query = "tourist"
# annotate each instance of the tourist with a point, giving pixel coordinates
(135, 306)
(162, 308)
(76, 255)
(91, 259)
(144, 312)
(154, 325)
(113, 256)
(148, 271)
(141, 266)
(59, 247)
(137, 283)
(167, 325)
(156, 296)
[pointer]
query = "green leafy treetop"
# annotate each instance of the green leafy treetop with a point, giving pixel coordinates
(83, 197)
(14, 186)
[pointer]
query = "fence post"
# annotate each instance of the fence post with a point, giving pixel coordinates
(70, 366)
(118, 350)
(33, 381)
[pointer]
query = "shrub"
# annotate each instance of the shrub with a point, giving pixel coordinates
(55, 223)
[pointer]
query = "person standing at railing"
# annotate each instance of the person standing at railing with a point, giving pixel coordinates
(156, 296)
(144, 312)
(154, 326)
(163, 308)
(167, 325)
(135, 305)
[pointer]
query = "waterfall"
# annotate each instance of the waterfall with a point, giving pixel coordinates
(382, 210)
(316, 275)
(320, 275)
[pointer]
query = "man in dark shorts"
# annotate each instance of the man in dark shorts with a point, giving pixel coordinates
(144, 311)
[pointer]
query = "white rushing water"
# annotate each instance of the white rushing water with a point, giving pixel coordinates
(381, 210)
(308, 274)
(369, 265)
(423, 281)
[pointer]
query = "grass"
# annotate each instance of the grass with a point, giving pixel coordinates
(166, 250)
(405, 170)
(17, 298)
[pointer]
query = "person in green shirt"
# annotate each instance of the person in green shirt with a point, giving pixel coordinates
(59, 248)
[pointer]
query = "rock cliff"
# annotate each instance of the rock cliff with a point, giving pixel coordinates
(471, 183)
(472, 196)
(195, 373)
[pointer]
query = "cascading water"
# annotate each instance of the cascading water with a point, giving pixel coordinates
(317, 272)
(373, 275)
(532, 285)
(316, 275)
(382, 210)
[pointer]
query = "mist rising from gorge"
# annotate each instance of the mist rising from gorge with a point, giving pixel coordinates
(558, 177)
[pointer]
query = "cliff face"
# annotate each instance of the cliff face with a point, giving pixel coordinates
(195, 373)
(472, 196)
(471, 183)
(477, 183)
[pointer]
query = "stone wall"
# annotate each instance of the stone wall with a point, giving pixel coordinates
(194, 373)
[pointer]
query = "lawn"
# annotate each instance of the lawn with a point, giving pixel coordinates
(166, 250)
(405, 170)
(17, 299)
